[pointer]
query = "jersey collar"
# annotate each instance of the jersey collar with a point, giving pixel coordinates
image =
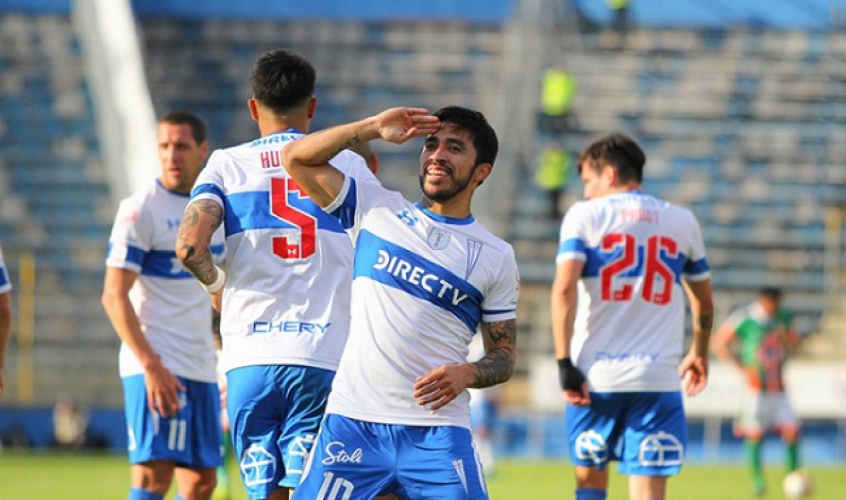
(444, 218)
(171, 191)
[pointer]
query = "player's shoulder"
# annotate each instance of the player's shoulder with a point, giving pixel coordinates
(143, 197)
(483, 235)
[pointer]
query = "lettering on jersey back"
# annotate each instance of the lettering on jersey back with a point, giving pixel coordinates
(270, 159)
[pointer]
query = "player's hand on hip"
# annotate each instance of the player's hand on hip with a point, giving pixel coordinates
(162, 390)
(398, 125)
(440, 386)
(694, 374)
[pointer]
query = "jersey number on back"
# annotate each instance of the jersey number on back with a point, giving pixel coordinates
(657, 276)
(287, 247)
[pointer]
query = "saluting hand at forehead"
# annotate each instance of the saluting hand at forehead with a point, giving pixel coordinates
(398, 125)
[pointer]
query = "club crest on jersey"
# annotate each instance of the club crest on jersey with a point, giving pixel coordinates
(438, 239)
(474, 250)
(407, 217)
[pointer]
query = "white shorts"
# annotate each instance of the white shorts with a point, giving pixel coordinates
(762, 412)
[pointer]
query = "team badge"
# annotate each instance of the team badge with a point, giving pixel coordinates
(474, 250)
(438, 239)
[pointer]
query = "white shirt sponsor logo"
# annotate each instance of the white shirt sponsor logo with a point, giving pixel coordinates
(418, 276)
(336, 452)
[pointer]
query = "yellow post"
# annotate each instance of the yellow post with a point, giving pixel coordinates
(26, 328)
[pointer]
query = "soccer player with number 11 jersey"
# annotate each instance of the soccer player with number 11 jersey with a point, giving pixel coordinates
(625, 260)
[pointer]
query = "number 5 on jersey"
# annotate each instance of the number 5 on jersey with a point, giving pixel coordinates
(656, 272)
(290, 247)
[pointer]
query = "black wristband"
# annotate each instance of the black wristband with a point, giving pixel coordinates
(570, 377)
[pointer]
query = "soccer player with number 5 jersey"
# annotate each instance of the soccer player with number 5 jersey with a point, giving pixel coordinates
(625, 262)
(286, 291)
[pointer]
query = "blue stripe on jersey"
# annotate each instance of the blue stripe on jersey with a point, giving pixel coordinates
(571, 245)
(496, 311)
(251, 210)
(394, 266)
(133, 254)
(3, 279)
(346, 212)
(696, 266)
(597, 259)
(208, 188)
(163, 264)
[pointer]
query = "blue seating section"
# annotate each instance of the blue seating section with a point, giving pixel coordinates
(742, 126)
(54, 199)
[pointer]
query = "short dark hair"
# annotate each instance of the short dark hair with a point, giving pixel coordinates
(771, 293)
(282, 80)
(618, 151)
(198, 127)
(474, 122)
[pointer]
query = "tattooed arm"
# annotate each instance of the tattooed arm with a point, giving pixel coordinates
(193, 239)
(497, 365)
(307, 159)
(443, 384)
(694, 367)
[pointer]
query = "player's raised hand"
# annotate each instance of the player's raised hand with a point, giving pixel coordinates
(694, 373)
(398, 125)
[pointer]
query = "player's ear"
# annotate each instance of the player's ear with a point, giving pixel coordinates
(251, 105)
(312, 107)
(482, 172)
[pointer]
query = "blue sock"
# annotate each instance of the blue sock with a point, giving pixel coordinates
(139, 494)
(179, 497)
(590, 494)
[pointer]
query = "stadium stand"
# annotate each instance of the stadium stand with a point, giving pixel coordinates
(54, 203)
(740, 124)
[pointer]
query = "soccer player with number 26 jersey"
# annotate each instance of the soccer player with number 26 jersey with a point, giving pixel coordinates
(625, 260)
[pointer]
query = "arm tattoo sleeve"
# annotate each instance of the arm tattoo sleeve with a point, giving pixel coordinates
(497, 365)
(349, 142)
(199, 261)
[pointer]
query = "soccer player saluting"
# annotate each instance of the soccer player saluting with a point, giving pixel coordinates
(765, 333)
(617, 323)
(286, 291)
(426, 276)
(164, 319)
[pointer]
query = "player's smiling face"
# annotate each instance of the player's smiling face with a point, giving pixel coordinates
(447, 163)
(180, 156)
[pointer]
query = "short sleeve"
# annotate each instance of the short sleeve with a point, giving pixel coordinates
(131, 237)
(500, 301)
(209, 184)
(573, 237)
(696, 268)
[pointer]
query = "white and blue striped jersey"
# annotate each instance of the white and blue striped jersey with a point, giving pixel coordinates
(5, 282)
(422, 283)
(629, 325)
(286, 300)
(174, 310)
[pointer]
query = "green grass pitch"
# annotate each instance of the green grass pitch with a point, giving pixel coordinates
(46, 476)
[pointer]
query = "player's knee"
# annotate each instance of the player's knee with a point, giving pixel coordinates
(592, 478)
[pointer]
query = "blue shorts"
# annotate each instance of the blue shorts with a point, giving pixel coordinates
(274, 414)
(355, 460)
(192, 438)
(645, 431)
